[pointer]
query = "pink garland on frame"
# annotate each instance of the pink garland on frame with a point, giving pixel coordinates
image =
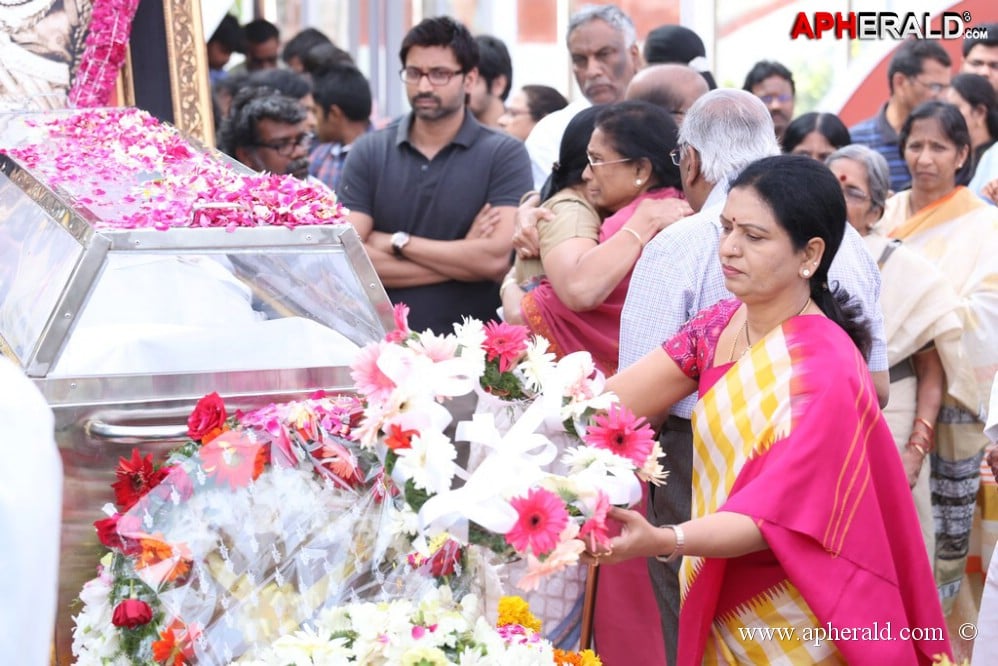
(104, 53)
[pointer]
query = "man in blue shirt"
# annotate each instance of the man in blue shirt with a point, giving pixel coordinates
(919, 72)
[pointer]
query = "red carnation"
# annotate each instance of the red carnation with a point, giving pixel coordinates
(131, 613)
(207, 421)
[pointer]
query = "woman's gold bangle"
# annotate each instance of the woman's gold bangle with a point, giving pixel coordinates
(918, 448)
(635, 234)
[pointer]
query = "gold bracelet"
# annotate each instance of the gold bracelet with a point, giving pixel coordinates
(924, 422)
(635, 234)
(917, 448)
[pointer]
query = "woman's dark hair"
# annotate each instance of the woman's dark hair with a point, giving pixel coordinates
(953, 125)
(806, 200)
(572, 160)
(443, 31)
(542, 100)
(977, 92)
(827, 125)
(639, 130)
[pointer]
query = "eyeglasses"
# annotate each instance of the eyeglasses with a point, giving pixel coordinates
(769, 99)
(935, 88)
(676, 154)
(595, 163)
(855, 195)
(438, 76)
(286, 147)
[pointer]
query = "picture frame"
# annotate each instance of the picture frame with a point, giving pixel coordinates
(168, 42)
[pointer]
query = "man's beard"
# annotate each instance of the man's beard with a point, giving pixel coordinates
(298, 168)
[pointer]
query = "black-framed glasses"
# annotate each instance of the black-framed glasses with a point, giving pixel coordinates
(593, 162)
(437, 76)
(286, 147)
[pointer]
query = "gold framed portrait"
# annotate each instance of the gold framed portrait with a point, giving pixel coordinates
(166, 69)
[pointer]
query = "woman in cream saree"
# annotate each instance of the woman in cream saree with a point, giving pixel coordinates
(958, 233)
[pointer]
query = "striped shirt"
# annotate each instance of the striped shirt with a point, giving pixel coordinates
(878, 134)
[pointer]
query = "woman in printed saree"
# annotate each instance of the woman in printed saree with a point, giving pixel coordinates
(804, 545)
(957, 232)
(923, 326)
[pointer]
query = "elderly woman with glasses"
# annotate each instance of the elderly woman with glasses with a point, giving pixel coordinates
(951, 227)
(623, 170)
(922, 323)
(612, 190)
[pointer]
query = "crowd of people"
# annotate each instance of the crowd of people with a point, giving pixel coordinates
(808, 312)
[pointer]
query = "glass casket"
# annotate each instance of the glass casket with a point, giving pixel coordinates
(136, 277)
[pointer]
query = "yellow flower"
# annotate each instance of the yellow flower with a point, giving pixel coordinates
(514, 610)
(584, 658)
(944, 660)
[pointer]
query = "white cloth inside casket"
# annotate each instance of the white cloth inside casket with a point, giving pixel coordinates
(164, 314)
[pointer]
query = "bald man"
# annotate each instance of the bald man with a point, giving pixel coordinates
(670, 86)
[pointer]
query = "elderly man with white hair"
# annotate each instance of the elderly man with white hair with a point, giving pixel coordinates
(679, 274)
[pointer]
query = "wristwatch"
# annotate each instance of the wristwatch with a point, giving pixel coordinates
(399, 240)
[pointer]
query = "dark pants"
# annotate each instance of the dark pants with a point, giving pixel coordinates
(670, 505)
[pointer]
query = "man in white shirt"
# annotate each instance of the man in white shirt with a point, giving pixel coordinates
(679, 274)
(30, 520)
(604, 49)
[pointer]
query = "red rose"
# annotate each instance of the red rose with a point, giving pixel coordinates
(207, 421)
(131, 613)
(444, 562)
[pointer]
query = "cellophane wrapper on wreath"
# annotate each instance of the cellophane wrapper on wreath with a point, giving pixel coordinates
(267, 524)
(241, 537)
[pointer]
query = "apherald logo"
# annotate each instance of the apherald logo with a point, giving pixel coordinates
(884, 25)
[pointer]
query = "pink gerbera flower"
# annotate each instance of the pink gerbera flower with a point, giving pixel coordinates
(505, 342)
(596, 525)
(542, 517)
(620, 432)
(401, 332)
(370, 381)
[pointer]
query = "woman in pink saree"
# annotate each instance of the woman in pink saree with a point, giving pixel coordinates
(804, 545)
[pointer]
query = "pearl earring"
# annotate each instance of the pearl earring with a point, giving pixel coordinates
(806, 272)
(637, 182)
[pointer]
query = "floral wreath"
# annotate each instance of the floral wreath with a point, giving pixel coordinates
(295, 524)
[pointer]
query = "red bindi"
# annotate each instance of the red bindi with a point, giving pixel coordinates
(842, 178)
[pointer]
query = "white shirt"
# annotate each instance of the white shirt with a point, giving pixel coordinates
(544, 142)
(30, 520)
(679, 274)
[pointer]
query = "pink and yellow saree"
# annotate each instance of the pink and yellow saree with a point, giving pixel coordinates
(792, 436)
